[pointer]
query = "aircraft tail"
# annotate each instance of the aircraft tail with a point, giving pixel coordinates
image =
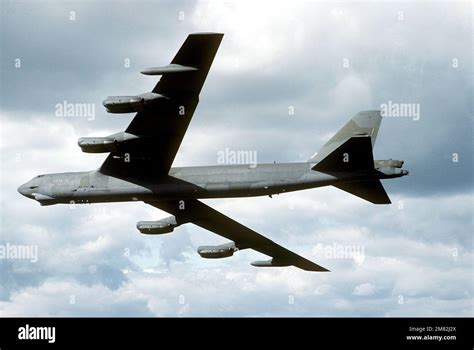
(366, 123)
(350, 150)
(355, 154)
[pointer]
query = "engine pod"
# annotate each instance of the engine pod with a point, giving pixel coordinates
(130, 104)
(217, 252)
(97, 144)
(104, 144)
(159, 227)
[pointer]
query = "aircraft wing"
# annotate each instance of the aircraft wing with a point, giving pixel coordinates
(200, 214)
(161, 126)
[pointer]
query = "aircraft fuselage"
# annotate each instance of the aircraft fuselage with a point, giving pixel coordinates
(222, 181)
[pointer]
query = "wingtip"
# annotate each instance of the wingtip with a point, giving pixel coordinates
(208, 33)
(319, 269)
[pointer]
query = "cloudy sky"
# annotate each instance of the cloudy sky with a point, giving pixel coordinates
(326, 60)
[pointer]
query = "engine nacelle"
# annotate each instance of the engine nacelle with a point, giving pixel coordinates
(97, 144)
(104, 144)
(217, 252)
(130, 104)
(159, 227)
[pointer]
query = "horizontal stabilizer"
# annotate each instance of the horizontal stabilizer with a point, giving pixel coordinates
(371, 191)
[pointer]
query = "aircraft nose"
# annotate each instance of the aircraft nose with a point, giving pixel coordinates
(22, 189)
(25, 190)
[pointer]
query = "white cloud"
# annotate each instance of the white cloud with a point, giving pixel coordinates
(364, 289)
(252, 42)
